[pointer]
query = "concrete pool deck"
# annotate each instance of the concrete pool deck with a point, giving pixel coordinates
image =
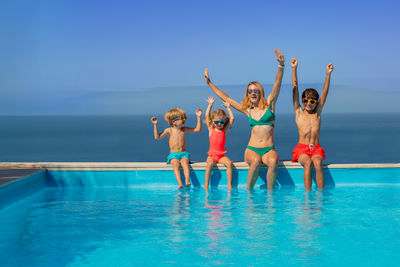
(163, 166)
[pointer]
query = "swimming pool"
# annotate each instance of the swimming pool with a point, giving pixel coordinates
(105, 218)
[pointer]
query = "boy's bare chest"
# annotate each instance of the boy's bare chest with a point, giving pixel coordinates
(177, 134)
(308, 122)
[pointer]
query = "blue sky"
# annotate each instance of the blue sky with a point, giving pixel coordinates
(90, 57)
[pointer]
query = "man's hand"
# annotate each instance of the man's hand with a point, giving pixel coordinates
(210, 100)
(329, 68)
(279, 57)
(154, 120)
(294, 62)
(206, 76)
(199, 112)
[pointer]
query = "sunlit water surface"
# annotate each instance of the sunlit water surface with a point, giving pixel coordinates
(347, 225)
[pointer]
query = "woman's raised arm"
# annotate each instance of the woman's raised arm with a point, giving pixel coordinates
(273, 97)
(224, 97)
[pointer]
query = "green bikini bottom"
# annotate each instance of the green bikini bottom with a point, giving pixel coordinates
(261, 150)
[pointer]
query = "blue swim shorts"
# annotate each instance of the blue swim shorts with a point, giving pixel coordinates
(178, 156)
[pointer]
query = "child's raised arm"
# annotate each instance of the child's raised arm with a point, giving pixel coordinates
(210, 101)
(236, 105)
(295, 85)
(227, 104)
(322, 99)
(198, 126)
(158, 135)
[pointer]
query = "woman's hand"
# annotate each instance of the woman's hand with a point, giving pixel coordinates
(206, 76)
(329, 68)
(280, 57)
(294, 62)
(154, 120)
(199, 112)
(210, 100)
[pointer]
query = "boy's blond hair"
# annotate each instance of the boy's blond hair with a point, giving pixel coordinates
(215, 114)
(174, 113)
(246, 100)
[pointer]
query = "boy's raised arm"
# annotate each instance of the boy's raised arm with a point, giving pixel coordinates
(273, 97)
(157, 135)
(198, 126)
(322, 99)
(295, 85)
(236, 105)
(227, 104)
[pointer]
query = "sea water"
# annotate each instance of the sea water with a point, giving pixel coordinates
(346, 138)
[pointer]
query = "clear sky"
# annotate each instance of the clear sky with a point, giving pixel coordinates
(92, 56)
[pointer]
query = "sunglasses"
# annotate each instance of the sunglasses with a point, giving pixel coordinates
(178, 118)
(255, 91)
(309, 100)
(219, 122)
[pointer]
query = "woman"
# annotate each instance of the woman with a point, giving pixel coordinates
(261, 113)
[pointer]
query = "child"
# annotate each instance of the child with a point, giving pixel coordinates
(218, 125)
(308, 119)
(176, 117)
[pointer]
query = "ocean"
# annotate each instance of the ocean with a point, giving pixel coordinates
(346, 138)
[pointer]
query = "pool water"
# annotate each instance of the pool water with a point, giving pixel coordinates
(140, 226)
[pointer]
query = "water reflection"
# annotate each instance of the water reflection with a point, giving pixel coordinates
(310, 224)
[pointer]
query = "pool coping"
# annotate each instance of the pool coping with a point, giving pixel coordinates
(104, 166)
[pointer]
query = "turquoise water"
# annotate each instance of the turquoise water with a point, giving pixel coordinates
(350, 225)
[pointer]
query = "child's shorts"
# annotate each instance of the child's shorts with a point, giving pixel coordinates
(178, 156)
(311, 150)
(216, 158)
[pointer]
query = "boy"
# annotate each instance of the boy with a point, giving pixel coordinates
(308, 119)
(176, 118)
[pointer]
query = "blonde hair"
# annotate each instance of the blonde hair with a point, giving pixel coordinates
(174, 113)
(246, 100)
(215, 114)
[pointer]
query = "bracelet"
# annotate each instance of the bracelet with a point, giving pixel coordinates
(281, 66)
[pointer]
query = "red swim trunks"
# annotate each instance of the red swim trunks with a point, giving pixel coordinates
(311, 150)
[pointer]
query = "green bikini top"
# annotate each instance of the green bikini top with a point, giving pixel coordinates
(266, 119)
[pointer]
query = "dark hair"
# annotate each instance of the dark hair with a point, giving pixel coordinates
(310, 93)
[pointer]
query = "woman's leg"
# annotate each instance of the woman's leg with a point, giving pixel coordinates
(210, 164)
(319, 170)
(177, 172)
(228, 164)
(307, 163)
(271, 159)
(253, 160)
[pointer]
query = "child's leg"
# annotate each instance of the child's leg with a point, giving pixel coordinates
(254, 160)
(271, 159)
(307, 163)
(228, 164)
(186, 170)
(210, 164)
(319, 170)
(177, 172)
